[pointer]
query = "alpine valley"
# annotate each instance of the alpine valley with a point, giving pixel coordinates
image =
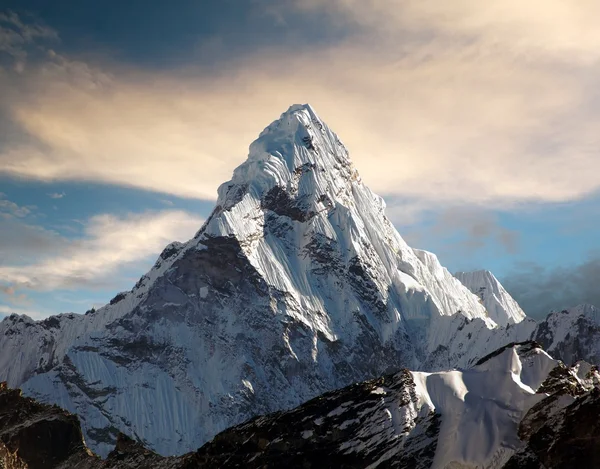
(250, 339)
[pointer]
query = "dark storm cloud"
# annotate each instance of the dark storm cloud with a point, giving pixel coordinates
(539, 290)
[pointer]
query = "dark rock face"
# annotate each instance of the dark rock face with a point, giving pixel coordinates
(280, 202)
(349, 428)
(527, 346)
(346, 429)
(569, 439)
(33, 435)
(39, 436)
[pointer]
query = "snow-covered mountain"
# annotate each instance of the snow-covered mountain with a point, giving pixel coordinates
(502, 308)
(516, 408)
(572, 334)
(296, 284)
(569, 335)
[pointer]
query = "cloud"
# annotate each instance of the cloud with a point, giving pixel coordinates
(539, 290)
(14, 297)
(477, 104)
(110, 244)
(477, 228)
(22, 243)
(17, 36)
(555, 27)
(10, 209)
(56, 195)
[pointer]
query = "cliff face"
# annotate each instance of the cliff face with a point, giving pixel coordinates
(568, 439)
(36, 436)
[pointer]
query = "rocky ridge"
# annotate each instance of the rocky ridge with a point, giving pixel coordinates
(516, 408)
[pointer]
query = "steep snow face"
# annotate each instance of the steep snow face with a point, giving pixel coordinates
(481, 407)
(301, 213)
(502, 308)
(572, 334)
(296, 284)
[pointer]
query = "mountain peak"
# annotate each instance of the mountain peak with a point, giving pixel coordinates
(297, 167)
(296, 284)
(502, 308)
(586, 309)
(297, 143)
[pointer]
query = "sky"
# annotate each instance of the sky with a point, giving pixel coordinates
(476, 121)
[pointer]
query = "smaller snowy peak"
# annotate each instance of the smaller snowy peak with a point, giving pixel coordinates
(570, 315)
(501, 307)
(572, 334)
(590, 311)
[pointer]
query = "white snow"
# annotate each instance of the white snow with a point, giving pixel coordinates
(248, 385)
(502, 308)
(482, 407)
(378, 390)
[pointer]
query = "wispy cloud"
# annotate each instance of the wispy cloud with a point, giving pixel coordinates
(15, 298)
(110, 244)
(476, 228)
(9, 209)
(22, 242)
(491, 104)
(16, 36)
(56, 195)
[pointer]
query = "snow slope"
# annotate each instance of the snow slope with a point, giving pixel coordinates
(502, 308)
(296, 284)
(481, 407)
